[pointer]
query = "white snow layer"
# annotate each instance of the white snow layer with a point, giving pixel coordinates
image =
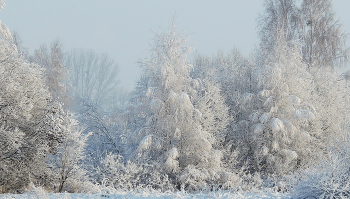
(151, 194)
(294, 99)
(173, 153)
(268, 102)
(156, 105)
(264, 117)
(304, 114)
(258, 129)
(273, 110)
(254, 117)
(276, 124)
(246, 97)
(184, 99)
(145, 143)
(264, 93)
(197, 114)
(171, 165)
(289, 154)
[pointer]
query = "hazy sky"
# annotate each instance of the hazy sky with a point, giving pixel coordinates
(124, 28)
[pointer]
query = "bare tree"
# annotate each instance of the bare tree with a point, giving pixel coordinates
(17, 41)
(93, 77)
(323, 41)
(321, 37)
(279, 15)
(55, 73)
(96, 98)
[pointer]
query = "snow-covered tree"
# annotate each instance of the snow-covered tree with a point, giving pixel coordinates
(67, 161)
(290, 121)
(17, 41)
(322, 37)
(278, 15)
(29, 121)
(55, 72)
(281, 112)
(235, 75)
(93, 79)
(319, 90)
(280, 129)
(172, 131)
(97, 102)
(232, 74)
(108, 133)
(210, 102)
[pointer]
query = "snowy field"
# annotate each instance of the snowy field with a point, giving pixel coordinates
(133, 195)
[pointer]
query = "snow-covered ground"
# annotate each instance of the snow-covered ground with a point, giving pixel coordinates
(134, 195)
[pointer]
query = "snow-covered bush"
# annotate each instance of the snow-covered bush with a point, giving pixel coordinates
(36, 191)
(117, 174)
(194, 179)
(250, 182)
(331, 178)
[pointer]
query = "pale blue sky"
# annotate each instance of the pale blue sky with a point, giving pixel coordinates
(123, 28)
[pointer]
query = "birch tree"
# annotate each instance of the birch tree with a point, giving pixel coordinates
(279, 15)
(322, 37)
(55, 71)
(172, 131)
(293, 123)
(313, 24)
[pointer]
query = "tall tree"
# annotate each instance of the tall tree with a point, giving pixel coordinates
(55, 71)
(321, 37)
(175, 129)
(292, 117)
(279, 15)
(30, 124)
(323, 40)
(93, 78)
(97, 101)
(17, 41)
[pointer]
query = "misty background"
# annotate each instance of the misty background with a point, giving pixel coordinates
(124, 29)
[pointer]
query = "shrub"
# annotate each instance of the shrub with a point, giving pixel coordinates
(331, 178)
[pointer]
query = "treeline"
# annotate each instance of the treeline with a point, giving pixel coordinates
(276, 119)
